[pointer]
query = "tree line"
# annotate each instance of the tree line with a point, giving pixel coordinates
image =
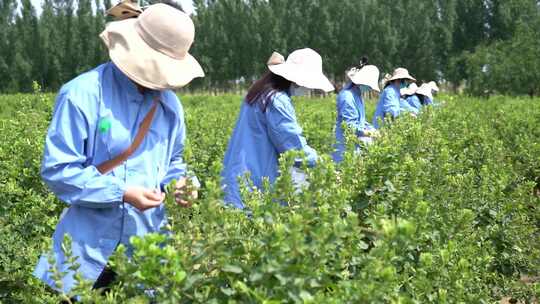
(484, 46)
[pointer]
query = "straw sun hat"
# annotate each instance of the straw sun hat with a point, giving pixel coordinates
(401, 73)
(367, 75)
(124, 10)
(303, 67)
(152, 50)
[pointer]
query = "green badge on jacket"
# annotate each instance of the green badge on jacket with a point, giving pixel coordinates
(104, 125)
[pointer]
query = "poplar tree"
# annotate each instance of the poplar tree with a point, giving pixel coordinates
(7, 8)
(452, 40)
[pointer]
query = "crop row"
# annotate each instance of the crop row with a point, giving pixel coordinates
(442, 209)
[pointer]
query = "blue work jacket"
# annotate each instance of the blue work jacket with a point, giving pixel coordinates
(350, 110)
(389, 105)
(404, 106)
(263, 131)
(95, 118)
(414, 102)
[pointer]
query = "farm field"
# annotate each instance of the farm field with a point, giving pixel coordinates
(444, 208)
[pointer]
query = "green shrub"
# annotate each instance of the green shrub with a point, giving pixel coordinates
(442, 209)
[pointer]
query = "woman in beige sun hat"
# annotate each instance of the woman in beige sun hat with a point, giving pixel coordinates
(152, 50)
(389, 102)
(115, 140)
(267, 124)
(350, 106)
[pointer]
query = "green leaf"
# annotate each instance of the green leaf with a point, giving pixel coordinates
(232, 269)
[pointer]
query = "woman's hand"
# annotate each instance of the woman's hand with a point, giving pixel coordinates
(185, 192)
(142, 198)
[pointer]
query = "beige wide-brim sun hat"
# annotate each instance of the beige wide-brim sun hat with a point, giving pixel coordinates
(367, 75)
(425, 90)
(401, 73)
(303, 67)
(434, 86)
(124, 10)
(410, 90)
(152, 50)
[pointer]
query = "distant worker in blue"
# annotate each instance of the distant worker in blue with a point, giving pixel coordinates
(425, 94)
(115, 140)
(434, 87)
(350, 106)
(434, 90)
(389, 102)
(409, 100)
(267, 124)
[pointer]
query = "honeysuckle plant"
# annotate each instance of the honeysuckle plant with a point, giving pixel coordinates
(441, 209)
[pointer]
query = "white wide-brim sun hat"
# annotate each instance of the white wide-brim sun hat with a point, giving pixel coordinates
(410, 90)
(303, 67)
(434, 86)
(152, 50)
(401, 73)
(425, 90)
(367, 75)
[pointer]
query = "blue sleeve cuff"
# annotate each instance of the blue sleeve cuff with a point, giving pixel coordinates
(117, 192)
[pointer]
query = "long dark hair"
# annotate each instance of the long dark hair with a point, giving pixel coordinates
(422, 98)
(265, 88)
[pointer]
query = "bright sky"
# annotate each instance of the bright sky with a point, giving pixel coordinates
(186, 4)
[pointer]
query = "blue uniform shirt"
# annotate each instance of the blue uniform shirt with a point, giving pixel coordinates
(351, 110)
(258, 139)
(95, 118)
(404, 106)
(414, 102)
(388, 105)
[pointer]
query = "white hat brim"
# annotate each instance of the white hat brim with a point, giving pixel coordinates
(402, 76)
(425, 91)
(407, 91)
(316, 81)
(434, 86)
(143, 64)
(410, 90)
(359, 79)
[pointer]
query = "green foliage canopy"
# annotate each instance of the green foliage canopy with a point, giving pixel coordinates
(436, 40)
